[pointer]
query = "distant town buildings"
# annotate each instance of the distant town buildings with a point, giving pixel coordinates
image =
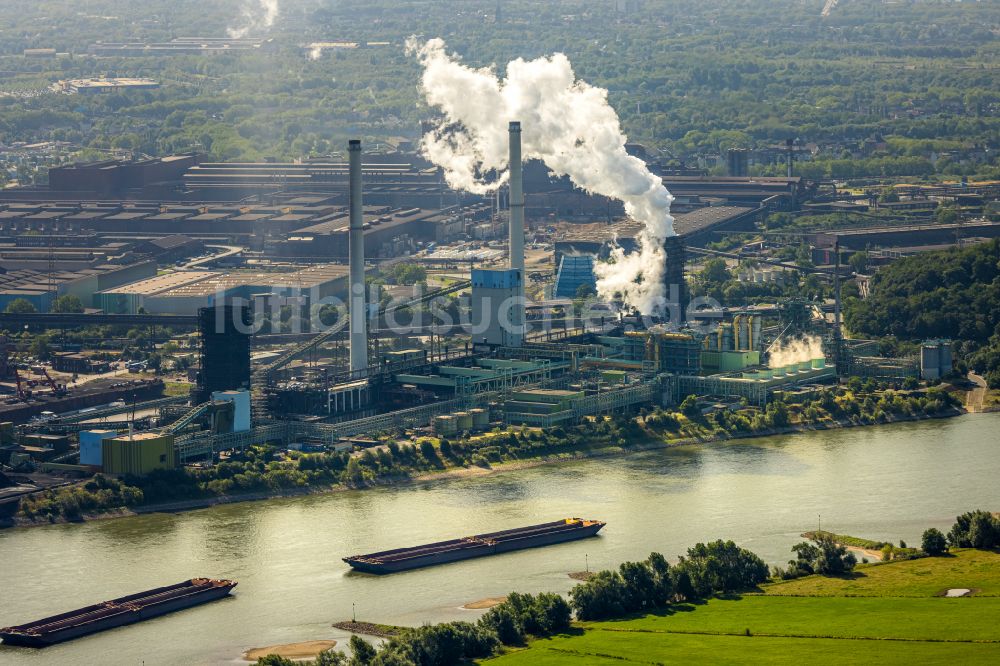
(178, 46)
(98, 86)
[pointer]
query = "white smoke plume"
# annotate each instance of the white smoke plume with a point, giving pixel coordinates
(795, 350)
(257, 15)
(566, 123)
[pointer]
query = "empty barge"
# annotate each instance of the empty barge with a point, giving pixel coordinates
(117, 612)
(479, 545)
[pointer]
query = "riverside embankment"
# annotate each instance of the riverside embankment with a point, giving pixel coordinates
(889, 483)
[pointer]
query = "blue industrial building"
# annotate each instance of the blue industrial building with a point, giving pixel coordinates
(574, 271)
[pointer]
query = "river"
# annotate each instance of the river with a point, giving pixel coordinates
(886, 482)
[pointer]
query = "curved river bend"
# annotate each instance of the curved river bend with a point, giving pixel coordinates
(888, 482)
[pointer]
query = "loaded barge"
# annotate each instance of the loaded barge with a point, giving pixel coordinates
(479, 545)
(117, 612)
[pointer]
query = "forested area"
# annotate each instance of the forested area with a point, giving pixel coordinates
(691, 78)
(953, 294)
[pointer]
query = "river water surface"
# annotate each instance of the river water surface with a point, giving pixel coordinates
(887, 482)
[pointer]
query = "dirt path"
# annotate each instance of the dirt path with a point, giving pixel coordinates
(974, 398)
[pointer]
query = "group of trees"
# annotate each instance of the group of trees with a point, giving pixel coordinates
(718, 281)
(506, 624)
(718, 567)
(975, 529)
(860, 402)
(99, 495)
(952, 294)
(407, 273)
(707, 569)
(824, 556)
(67, 304)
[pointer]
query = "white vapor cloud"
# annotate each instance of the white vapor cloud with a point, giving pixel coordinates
(795, 350)
(568, 124)
(257, 15)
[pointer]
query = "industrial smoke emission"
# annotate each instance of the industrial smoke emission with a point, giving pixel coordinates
(795, 350)
(257, 15)
(569, 125)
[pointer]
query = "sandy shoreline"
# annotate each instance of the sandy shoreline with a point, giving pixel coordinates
(468, 472)
(293, 651)
(482, 604)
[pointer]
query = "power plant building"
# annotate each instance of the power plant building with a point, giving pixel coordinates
(138, 454)
(91, 446)
(186, 292)
(225, 350)
(498, 307)
(42, 287)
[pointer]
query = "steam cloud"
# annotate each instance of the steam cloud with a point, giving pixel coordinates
(257, 15)
(795, 350)
(566, 123)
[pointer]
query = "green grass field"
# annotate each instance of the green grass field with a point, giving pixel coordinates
(888, 613)
(903, 618)
(927, 577)
(616, 648)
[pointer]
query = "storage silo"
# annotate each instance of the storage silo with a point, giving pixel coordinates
(480, 418)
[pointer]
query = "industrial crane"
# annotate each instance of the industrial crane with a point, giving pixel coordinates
(57, 389)
(22, 393)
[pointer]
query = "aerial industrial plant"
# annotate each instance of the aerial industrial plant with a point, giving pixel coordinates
(508, 357)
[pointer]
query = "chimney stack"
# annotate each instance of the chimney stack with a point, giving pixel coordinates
(358, 308)
(790, 145)
(516, 200)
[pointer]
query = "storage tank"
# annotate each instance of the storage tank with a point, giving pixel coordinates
(726, 340)
(445, 425)
(930, 361)
(463, 421)
(480, 418)
(741, 324)
(819, 363)
(944, 357)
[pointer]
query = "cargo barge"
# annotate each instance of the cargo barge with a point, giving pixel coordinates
(479, 545)
(117, 612)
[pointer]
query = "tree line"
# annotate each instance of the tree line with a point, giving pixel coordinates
(653, 585)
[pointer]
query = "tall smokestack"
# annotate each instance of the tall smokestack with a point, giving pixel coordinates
(675, 287)
(790, 145)
(516, 199)
(358, 310)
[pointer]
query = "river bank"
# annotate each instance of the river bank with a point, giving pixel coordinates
(468, 471)
(761, 493)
